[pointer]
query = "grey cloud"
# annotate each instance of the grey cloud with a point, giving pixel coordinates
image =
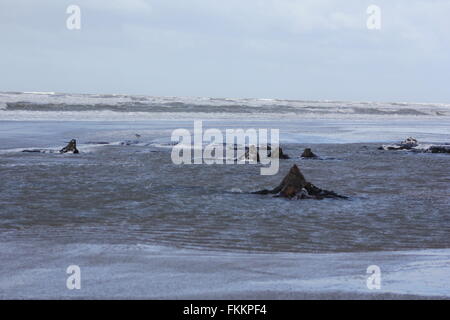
(266, 48)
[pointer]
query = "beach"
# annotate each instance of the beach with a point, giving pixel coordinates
(37, 271)
(140, 226)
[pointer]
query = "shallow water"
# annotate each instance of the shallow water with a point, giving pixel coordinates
(141, 227)
(135, 194)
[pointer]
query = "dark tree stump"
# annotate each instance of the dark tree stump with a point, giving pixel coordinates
(294, 185)
(307, 153)
(71, 147)
(251, 151)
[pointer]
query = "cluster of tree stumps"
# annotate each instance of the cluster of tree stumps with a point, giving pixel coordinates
(294, 185)
(253, 153)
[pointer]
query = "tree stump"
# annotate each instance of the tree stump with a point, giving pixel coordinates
(307, 153)
(71, 147)
(294, 185)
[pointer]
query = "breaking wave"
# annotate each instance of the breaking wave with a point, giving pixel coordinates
(29, 104)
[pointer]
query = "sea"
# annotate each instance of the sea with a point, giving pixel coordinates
(140, 226)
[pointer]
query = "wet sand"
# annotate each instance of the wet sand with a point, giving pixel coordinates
(38, 271)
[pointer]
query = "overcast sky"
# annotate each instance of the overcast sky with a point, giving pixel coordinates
(294, 49)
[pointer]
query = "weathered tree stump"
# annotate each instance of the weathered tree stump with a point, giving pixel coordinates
(253, 153)
(295, 186)
(71, 147)
(307, 153)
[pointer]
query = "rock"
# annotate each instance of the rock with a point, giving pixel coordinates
(71, 147)
(307, 153)
(295, 186)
